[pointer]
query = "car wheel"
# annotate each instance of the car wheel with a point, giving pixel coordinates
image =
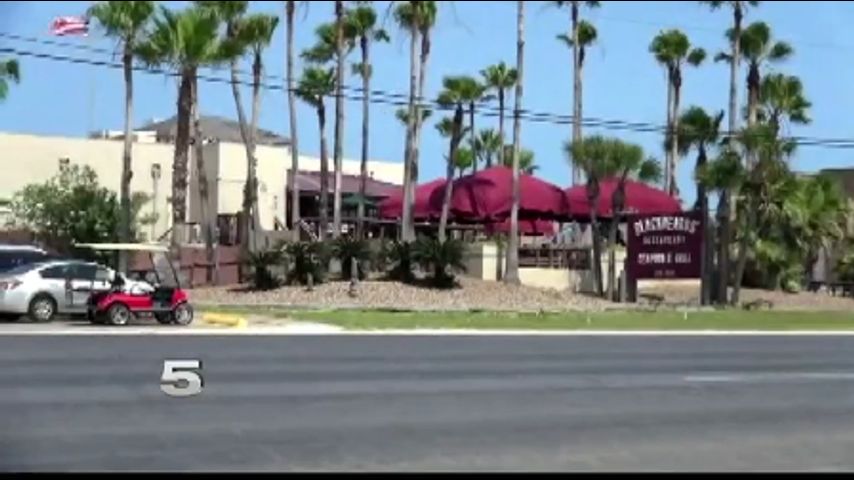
(119, 314)
(164, 318)
(183, 314)
(42, 309)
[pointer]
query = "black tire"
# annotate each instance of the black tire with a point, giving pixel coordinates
(119, 315)
(164, 318)
(182, 314)
(42, 309)
(9, 317)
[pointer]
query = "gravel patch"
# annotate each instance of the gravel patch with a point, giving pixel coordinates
(476, 294)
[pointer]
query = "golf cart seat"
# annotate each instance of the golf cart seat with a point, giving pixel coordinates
(163, 295)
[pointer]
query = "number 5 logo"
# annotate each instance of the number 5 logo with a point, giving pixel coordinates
(181, 378)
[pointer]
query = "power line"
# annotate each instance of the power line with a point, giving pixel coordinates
(397, 99)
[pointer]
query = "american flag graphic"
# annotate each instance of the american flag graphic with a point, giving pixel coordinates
(62, 26)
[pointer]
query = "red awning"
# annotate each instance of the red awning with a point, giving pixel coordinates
(392, 207)
(487, 196)
(640, 198)
(532, 228)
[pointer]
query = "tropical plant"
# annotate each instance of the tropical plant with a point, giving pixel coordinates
(402, 258)
(363, 21)
(511, 273)
(442, 258)
(500, 79)
(700, 131)
(582, 34)
(260, 263)
(346, 249)
(781, 99)
(739, 9)
(314, 86)
(126, 23)
(526, 160)
(9, 70)
(672, 49)
(402, 115)
(844, 267)
(187, 40)
(307, 261)
(417, 18)
(464, 160)
(290, 10)
(487, 145)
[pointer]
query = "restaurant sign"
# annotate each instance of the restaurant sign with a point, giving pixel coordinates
(664, 246)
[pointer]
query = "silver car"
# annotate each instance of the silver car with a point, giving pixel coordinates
(43, 290)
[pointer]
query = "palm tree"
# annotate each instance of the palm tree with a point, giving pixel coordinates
(417, 18)
(759, 50)
(500, 79)
(363, 20)
(511, 274)
(290, 10)
(582, 34)
(186, 40)
(626, 161)
(314, 86)
(9, 70)
(255, 32)
(672, 49)
(464, 160)
(822, 213)
(782, 101)
(487, 145)
(456, 92)
(739, 8)
(231, 12)
(475, 92)
(698, 130)
(126, 22)
(526, 160)
(402, 115)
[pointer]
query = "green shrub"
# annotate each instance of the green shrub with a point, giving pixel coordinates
(401, 257)
(259, 264)
(307, 258)
(345, 249)
(845, 268)
(443, 259)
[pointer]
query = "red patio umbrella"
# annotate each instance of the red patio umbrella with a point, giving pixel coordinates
(487, 196)
(533, 228)
(392, 207)
(640, 198)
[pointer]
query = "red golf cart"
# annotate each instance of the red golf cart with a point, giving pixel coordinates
(123, 302)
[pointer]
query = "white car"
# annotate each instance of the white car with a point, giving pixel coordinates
(43, 290)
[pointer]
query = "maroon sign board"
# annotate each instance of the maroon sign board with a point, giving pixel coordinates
(664, 246)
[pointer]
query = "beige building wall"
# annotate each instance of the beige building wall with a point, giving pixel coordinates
(30, 159)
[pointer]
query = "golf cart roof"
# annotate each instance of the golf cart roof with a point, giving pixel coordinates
(129, 247)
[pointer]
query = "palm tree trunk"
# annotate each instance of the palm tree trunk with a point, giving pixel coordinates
(290, 7)
(500, 126)
(511, 274)
(576, 88)
(339, 117)
(127, 167)
(252, 174)
(419, 117)
(207, 217)
(668, 155)
(180, 160)
(674, 145)
(324, 172)
(473, 135)
(247, 141)
(449, 172)
(407, 220)
(597, 243)
(366, 111)
(578, 174)
(702, 205)
(612, 255)
(726, 195)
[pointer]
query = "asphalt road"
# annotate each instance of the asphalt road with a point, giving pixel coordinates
(333, 403)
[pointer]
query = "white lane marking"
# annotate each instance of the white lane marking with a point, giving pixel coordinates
(765, 377)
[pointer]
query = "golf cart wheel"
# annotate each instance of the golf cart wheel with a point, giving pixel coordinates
(164, 318)
(183, 314)
(119, 314)
(42, 309)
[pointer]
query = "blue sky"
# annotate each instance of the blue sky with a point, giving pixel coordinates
(622, 81)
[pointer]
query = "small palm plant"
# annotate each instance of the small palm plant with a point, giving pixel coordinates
(402, 258)
(259, 264)
(443, 258)
(346, 249)
(307, 260)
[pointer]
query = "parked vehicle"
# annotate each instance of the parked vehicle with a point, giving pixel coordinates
(119, 305)
(12, 256)
(42, 290)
